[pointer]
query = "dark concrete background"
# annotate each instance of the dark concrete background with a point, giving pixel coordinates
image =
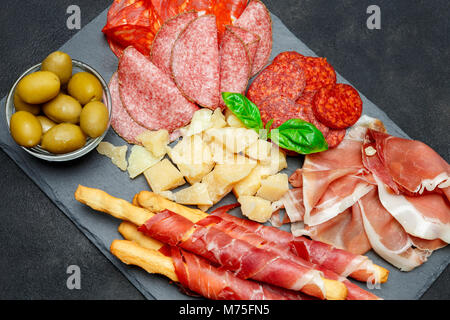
(403, 68)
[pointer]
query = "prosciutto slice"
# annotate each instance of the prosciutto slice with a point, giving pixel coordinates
(198, 275)
(339, 261)
(333, 181)
(406, 166)
(238, 256)
(387, 237)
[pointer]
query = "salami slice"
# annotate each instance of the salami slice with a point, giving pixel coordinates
(338, 106)
(278, 78)
(256, 19)
(235, 66)
(121, 121)
(319, 73)
(133, 23)
(307, 109)
(116, 48)
(335, 137)
(195, 62)
(165, 38)
(281, 108)
(250, 40)
(150, 96)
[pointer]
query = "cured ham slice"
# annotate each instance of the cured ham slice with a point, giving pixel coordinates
(198, 275)
(339, 261)
(406, 166)
(333, 181)
(245, 260)
(225, 223)
(426, 217)
(345, 231)
(387, 237)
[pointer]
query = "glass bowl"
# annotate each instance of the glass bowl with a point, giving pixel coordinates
(91, 143)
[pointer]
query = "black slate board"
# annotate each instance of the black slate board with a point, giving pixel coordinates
(59, 181)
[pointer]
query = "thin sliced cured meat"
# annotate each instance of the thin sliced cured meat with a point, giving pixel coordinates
(345, 231)
(225, 223)
(426, 217)
(256, 19)
(307, 110)
(339, 261)
(280, 108)
(227, 12)
(235, 65)
(406, 166)
(277, 79)
(250, 40)
(387, 237)
(132, 23)
(115, 47)
(245, 260)
(334, 137)
(319, 73)
(198, 275)
(165, 38)
(150, 96)
(195, 63)
(121, 121)
(337, 106)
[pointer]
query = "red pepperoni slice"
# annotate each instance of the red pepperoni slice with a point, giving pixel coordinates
(149, 95)
(256, 19)
(166, 37)
(307, 109)
(278, 78)
(235, 66)
(287, 56)
(335, 137)
(319, 72)
(121, 121)
(195, 62)
(281, 108)
(338, 106)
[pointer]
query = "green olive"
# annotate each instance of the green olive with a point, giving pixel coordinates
(25, 129)
(85, 87)
(21, 105)
(38, 87)
(60, 64)
(46, 123)
(63, 138)
(94, 119)
(63, 108)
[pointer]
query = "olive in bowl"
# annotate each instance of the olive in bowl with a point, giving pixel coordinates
(56, 111)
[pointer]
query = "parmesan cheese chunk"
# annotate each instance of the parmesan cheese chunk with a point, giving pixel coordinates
(116, 154)
(140, 160)
(163, 176)
(255, 208)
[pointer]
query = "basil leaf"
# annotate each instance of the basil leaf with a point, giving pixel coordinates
(244, 110)
(299, 136)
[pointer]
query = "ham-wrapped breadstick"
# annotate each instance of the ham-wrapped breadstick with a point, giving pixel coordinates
(296, 278)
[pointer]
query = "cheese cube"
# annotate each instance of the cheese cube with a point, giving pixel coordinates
(140, 159)
(155, 141)
(255, 208)
(193, 157)
(260, 150)
(232, 120)
(116, 154)
(275, 163)
(201, 120)
(250, 184)
(196, 194)
(163, 176)
(218, 119)
(273, 187)
(235, 140)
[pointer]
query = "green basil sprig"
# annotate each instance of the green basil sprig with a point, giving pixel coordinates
(244, 109)
(294, 134)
